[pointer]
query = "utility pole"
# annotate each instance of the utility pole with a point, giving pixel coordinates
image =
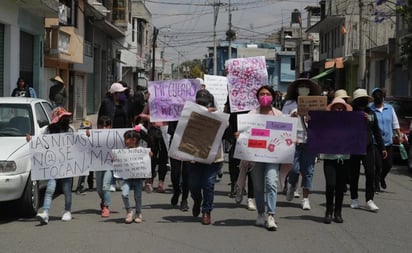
(362, 51)
(155, 33)
(215, 13)
(230, 31)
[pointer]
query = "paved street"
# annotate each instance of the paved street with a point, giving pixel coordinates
(170, 230)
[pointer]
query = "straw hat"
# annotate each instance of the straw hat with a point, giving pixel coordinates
(339, 101)
(315, 89)
(57, 79)
(361, 93)
(341, 94)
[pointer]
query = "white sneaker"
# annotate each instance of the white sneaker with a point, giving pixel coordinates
(305, 204)
(112, 188)
(251, 204)
(270, 223)
(290, 192)
(354, 204)
(260, 221)
(371, 206)
(296, 194)
(67, 216)
(43, 218)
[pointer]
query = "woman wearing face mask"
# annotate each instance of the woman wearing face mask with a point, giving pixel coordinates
(304, 160)
(265, 176)
(360, 103)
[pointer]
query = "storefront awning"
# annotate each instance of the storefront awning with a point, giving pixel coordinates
(323, 74)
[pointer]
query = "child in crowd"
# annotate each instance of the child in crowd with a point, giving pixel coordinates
(132, 140)
(60, 124)
(80, 189)
(104, 178)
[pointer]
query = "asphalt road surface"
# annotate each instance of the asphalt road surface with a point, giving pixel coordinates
(232, 230)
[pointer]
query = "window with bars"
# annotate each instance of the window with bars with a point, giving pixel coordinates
(119, 10)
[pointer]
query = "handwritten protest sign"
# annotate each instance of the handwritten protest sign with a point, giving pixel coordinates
(198, 134)
(265, 138)
(59, 156)
(245, 76)
(311, 103)
(74, 154)
(132, 163)
(168, 97)
(217, 85)
(332, 132)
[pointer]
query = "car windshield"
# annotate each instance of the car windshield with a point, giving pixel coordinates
(16, 120)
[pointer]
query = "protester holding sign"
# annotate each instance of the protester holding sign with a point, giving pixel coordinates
(265, 176)
(336, 169)
(304, 161)
(60, 124)
(132, 139)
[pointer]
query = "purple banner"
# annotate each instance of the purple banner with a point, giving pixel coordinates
(337, 132)
(245, 76)
(167, 98)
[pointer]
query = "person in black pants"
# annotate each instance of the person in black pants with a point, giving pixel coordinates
(360, 103)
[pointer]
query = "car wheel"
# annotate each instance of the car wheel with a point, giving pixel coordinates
(30, 200)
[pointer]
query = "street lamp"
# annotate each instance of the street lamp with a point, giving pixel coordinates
(155, 33)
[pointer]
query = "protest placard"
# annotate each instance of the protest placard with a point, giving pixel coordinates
(132, 163)
(59, 156)
(217, 85)
(311, 103)
(265, 138)
(168, 97)
(198, 134)
(245, 76)
(331, 132)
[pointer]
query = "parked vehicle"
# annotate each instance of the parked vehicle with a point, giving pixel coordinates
(19, 116)
(403, 109)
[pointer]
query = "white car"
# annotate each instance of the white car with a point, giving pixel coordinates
(20, 116)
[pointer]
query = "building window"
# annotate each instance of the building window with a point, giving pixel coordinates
(68, 12)
(292, 63)
(119, 10)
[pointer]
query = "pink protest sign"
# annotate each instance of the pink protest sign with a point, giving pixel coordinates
(245, 76)
(167, 98)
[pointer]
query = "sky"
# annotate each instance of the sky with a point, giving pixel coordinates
(186, 26)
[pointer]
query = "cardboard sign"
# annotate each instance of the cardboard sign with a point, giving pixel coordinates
(198, 134)
(132, 163)
(266, 138)
(311, 103)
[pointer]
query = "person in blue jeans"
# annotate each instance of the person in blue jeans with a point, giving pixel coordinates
(132, 139)
(202, 176)
(104, 177)
(60, 124)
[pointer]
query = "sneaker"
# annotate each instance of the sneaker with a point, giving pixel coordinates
(67, 216)
(239, 195)
(371, 206)
(290, 192)
(105, 212)
(305, 204)
(148, 188)
(260, 221)
(354, 204)
(184, 206)
(138, 218)
(251, 206)
(129, 217)
(112, 188)
(43, 218)
(296, 194)
(270, 223)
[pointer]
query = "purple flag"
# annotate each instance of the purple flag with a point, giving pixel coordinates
(331, 132)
